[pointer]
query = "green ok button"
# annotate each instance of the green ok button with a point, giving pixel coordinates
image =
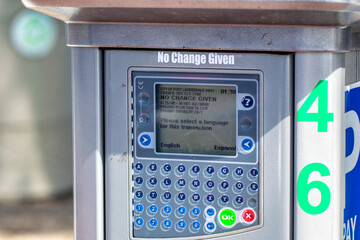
(227, 217)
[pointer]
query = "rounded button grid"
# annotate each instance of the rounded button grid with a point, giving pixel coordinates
(209, 189)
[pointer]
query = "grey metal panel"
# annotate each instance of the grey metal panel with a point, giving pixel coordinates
(209, 37)
(88, 144)
(294, 12)
(277, 179)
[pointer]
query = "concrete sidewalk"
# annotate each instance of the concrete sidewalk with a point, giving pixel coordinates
(50, 220)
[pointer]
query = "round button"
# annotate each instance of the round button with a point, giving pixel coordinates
(209, 212)
(166, 197)
(180, 212)
(152, 169)
(209, 171)
(195, 170)
(247, 101)
(144, 119)
(195, 184)
(152, 182)
(152, 210)
(195, 226)
(210, 227)
(138, 195)
(245, 123)
(248, 216)
(181, 225)
(227, 217)
(166, 211)
(138, 167)
(253, 173)
(152, 224)
(181, 183)
(139, 222)
(180, 170)
(238, 173)
(210, 198)
(247, 145)
(166, 183)
(144, 140)
(224, 186)
(166, 169)
(252, 203)
(143, 98)
(210, 185)
(238, 201)
(238, 187)
(139, 208)
(166, 225)
(195, 212)
(195, 198)
(224, 199)
(253, 188)
(181, 197)
(152, 196)
(224, 171)
(138, 181)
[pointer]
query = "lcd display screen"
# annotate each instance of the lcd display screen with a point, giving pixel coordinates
(196, 119)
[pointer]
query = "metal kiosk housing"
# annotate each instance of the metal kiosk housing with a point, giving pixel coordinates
(297, 45)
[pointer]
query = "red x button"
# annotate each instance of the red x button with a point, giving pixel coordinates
(248, 216)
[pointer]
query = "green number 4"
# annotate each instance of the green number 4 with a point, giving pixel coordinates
(322, 117)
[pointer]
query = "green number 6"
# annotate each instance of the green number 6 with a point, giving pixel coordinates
(304, 187)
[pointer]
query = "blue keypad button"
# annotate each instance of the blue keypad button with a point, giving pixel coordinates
(210, 227)
(152, 181)
(239, 186)
(247, 144)
(167, 195)
(195, 211)
(139, 194)
(181, 182)
(181, 196)
(153, 222)
(195, 226)
(153, 209)
(195, 197)
(210, 170)
(138, 167)
(181, 225)
(181, 210)
(254, 187)
(210, 212)
(167, 183)
(167, 223)
(210, 198)
(247, 101)
(167, 210)
(224, 199)
(239, 172)
(224, 185)
(139, 222)
(139, 208)
(144, 119)
(181, 169)
(167, 168)
(144, 140)
(210, 184)
(195, 183)
(195, 169)
(239, 200)
(139, 180)
(253, 173)
(153, 195)
(152, 168)
(224, 171)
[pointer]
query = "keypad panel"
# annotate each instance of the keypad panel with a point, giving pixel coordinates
(175, 203)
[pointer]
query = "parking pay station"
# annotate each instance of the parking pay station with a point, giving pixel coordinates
(210, 119)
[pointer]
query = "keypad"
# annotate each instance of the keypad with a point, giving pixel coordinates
(175, 198)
